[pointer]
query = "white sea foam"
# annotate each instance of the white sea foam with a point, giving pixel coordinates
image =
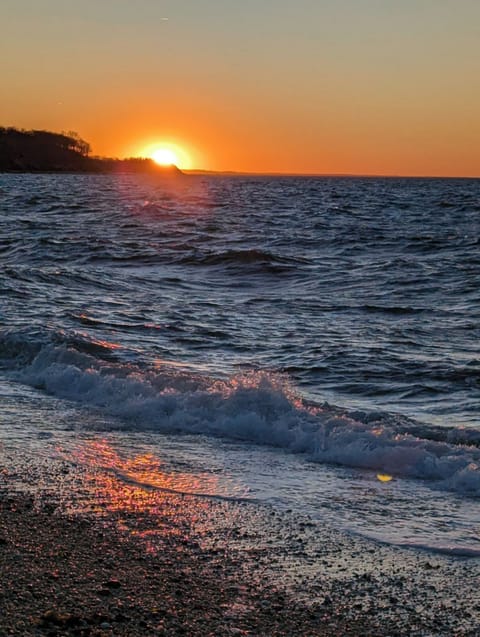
(261, 408)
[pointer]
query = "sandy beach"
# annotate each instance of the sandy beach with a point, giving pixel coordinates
(115, 559)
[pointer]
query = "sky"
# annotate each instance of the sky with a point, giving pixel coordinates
(386, 87)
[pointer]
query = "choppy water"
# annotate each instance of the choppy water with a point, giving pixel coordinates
(249, 319)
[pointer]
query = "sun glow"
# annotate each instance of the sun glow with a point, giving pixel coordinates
(168, 154)
(165, 157)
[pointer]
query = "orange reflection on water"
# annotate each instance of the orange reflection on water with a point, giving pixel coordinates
(151, 197)
(145, 470)
(141, 497)
(105, 344)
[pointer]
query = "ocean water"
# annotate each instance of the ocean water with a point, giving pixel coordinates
(312, 343)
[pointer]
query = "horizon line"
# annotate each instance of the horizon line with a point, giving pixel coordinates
(241, 173)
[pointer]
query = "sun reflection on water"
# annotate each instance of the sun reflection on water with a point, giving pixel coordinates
(145, 499)
(146, 471)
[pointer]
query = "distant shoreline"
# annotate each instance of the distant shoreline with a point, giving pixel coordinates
(38, 151)
(174, 171)
(167, 171)
(232, 173)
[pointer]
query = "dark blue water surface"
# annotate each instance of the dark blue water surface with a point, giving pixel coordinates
(364, 292)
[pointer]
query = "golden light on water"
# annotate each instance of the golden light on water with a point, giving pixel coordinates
(144, 471)
(132, 491)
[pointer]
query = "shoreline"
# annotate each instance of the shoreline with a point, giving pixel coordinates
(64, 576)
(192, 172)
(125, 561)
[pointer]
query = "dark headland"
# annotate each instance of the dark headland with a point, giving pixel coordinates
(44, 151)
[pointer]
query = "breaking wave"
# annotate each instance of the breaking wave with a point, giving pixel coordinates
(258, 407)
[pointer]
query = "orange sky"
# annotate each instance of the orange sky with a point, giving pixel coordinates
(311, 86)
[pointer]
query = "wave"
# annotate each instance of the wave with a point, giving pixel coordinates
(393, 309)
(257, 407)
(241, 257)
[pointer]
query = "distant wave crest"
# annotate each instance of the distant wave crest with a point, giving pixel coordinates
(241, 257)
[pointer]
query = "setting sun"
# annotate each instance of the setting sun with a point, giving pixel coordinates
(167, 154)
(165, 157)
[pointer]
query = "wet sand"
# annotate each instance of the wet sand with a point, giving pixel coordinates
(111, 558)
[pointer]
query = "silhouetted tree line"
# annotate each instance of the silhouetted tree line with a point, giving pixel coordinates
(43, 151)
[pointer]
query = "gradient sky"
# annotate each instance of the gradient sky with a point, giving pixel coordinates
(304, 86)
